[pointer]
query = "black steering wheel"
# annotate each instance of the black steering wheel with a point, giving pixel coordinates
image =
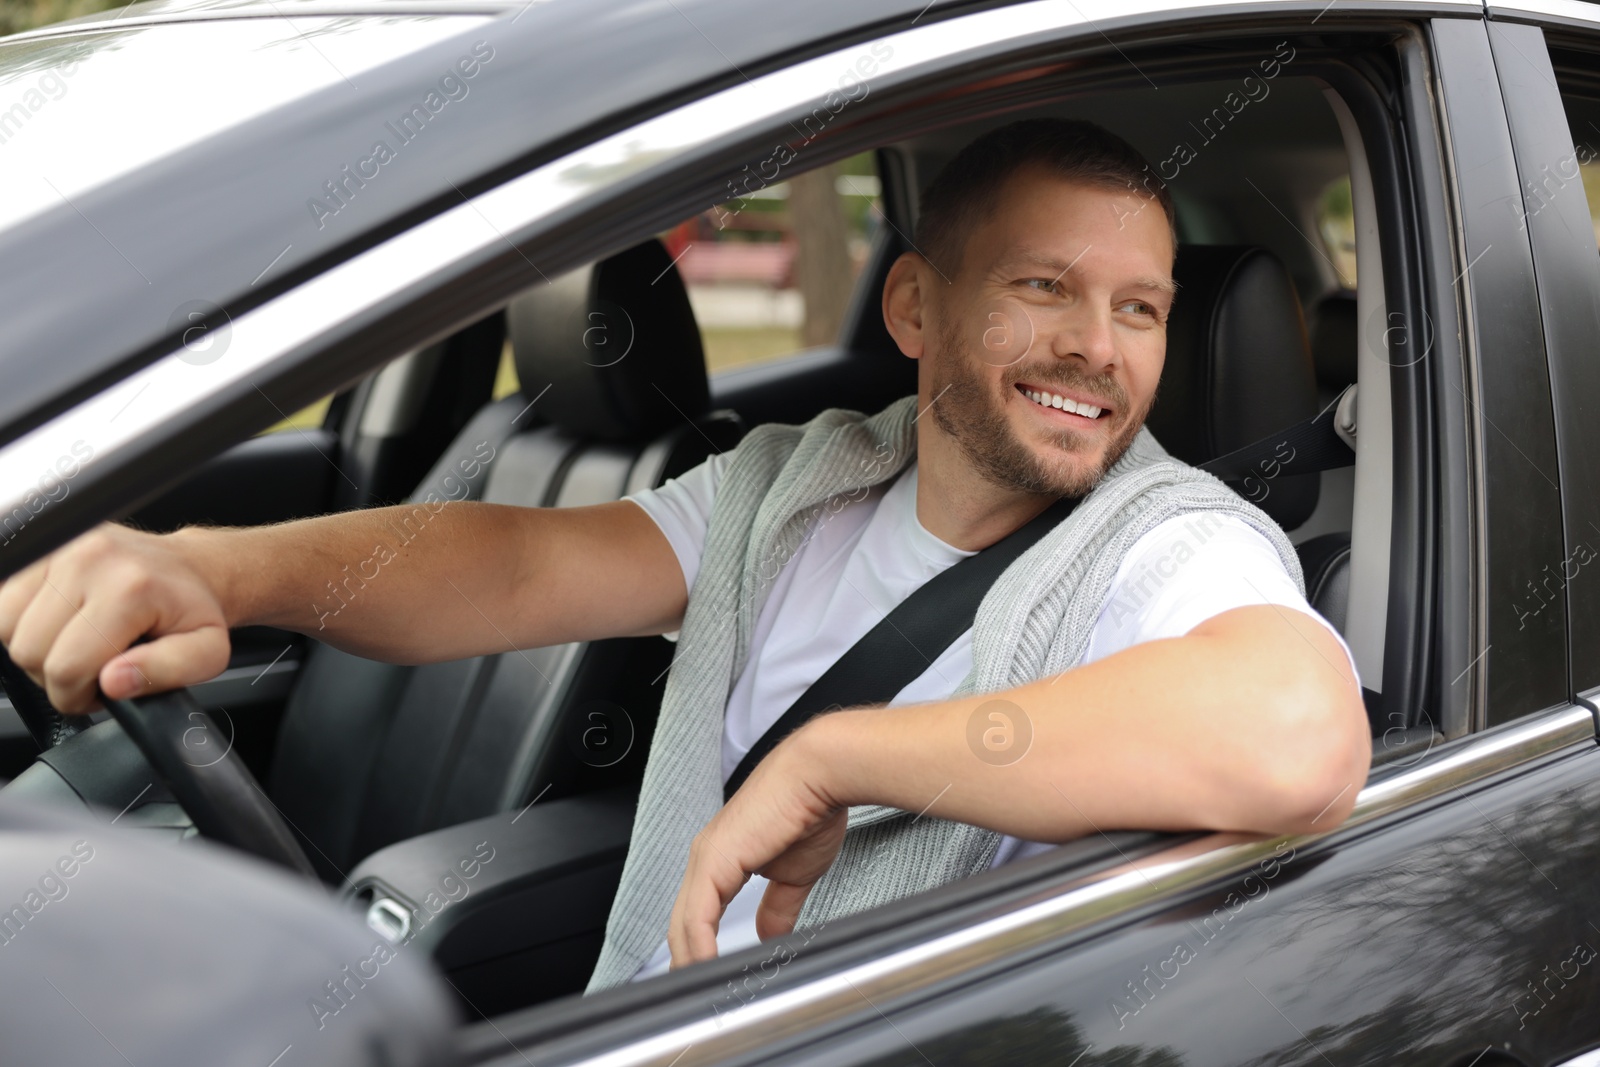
(222, 797)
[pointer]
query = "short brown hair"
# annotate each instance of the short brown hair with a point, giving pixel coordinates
(968, 188)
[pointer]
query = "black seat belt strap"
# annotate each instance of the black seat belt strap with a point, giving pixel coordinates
(907, 641)
(1304, 448)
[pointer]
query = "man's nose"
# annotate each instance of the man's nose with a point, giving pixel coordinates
(1088, 336)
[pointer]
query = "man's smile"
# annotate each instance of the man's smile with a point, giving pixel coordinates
(1066, 407)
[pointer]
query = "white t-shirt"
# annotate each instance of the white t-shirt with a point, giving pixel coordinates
(857, 564)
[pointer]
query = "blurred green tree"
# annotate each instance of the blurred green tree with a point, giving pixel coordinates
(19, 15)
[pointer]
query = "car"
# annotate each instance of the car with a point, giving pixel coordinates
(443, 219)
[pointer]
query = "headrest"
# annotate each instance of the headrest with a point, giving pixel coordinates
(1333, 340)
(617, 344)
(1238, 367)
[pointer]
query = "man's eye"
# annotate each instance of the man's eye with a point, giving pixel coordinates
(1139, 307)
(1046, 285)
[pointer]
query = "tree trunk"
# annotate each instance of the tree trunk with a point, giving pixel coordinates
(822, 260)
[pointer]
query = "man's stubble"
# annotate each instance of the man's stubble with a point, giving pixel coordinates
(969, 413)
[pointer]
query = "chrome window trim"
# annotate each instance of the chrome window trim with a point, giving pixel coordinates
(1079, 904)
(114, 420)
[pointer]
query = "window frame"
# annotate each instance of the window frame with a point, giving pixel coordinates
(1506, 391)
(1568, 270)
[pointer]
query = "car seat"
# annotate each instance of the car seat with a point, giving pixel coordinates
(613, 398)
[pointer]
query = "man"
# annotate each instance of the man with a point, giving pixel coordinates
(1154, 649)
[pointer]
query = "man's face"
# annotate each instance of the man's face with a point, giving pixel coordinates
(1062, 293)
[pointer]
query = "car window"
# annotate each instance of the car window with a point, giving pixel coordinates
(771, 271)
(506, 381)
(309, 417)
(1337, 224)
(15, 18)
(1583, 118)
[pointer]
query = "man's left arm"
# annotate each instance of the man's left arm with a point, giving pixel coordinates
(1251, 721)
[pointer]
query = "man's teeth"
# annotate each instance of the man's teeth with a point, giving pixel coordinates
(1051, 400)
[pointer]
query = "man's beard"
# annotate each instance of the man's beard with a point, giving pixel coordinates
(969, 413)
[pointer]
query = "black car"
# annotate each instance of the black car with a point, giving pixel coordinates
(464, 233)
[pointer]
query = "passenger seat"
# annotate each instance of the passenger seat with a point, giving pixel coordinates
(1239, 367)
(1334, 344)
(613, 398)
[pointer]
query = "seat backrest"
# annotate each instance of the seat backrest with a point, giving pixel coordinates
(1326, 559)
(1326, 563)
(1333, 343)
(1238, 367)
(370, 753)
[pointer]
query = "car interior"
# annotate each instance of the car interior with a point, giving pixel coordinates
(387, 772)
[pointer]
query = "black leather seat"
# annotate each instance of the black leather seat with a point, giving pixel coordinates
(1326, 562)
(370, 753)
(1326, 559)
(1238, 368)
(1334, 343)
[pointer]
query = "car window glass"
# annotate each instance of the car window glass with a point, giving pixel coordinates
(1337, 225)
(771, 270)
(506, 381)
(16, 18)
(309, 417)
(1583, 118)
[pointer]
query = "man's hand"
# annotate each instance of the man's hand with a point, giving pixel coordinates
(781, 825)
(69, 620)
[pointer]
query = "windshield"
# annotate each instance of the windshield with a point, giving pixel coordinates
(79, 110)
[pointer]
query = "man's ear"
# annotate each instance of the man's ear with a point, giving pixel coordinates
(905, 303)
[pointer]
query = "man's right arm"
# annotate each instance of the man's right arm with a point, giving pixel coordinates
(405, 584)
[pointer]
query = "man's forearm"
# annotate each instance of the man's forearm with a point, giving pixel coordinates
(405, 583)
(422, 584)
(1252, 722)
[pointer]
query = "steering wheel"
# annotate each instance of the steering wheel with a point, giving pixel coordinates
(222, 797)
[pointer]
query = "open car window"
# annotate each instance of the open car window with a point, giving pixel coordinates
(1276, 145)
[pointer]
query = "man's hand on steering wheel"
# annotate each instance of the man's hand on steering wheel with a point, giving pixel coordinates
(71, 619)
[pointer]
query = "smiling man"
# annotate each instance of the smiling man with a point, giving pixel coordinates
(1149, 662)
(1036, 306)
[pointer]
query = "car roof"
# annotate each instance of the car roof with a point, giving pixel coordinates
(98, 284)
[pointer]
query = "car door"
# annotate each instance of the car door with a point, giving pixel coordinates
(1449, 919)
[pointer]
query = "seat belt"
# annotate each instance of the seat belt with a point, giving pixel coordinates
(907, 641)
(1320, 443)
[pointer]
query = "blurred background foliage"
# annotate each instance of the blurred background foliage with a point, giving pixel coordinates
(19, 15)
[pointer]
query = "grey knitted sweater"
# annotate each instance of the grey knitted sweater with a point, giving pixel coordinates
(780, 483)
